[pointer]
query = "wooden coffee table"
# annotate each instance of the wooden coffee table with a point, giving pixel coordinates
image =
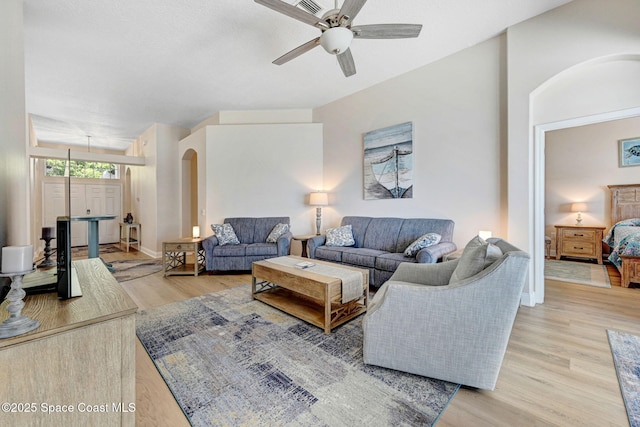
(309, 296)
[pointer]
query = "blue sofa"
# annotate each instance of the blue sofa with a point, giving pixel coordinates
(380, 244)
(252, 234)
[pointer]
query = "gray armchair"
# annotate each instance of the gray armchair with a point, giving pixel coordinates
(419, 322)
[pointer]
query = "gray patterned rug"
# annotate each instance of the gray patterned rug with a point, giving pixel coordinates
(582, 273)
(626, 357)
(230, 360)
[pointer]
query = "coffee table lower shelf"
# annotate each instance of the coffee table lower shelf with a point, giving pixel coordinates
(309, 310)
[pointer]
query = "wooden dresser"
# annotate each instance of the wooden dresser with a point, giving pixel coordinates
(579, 241)
(78, 367)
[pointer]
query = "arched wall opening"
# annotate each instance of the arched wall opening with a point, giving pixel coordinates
(595, 91)
(189, 191)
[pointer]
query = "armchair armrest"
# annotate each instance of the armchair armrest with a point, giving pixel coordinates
(425, 274)
(208, 244)
(313, 243)
(432, 254)
(284, 244)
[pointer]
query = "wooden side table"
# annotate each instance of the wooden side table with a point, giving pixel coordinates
(303, 240)
(579, 241)
(174, 257)
(126, 238)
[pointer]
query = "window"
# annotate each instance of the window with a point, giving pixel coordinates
(79, 169)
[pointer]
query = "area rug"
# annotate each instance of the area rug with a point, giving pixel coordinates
(230, 360)
(626, 357)
(577, 272)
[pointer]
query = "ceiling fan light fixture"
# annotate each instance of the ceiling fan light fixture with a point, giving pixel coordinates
(336, 40)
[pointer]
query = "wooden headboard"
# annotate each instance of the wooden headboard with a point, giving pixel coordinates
(625, 202)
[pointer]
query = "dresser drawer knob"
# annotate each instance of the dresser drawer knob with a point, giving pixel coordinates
(179, 246)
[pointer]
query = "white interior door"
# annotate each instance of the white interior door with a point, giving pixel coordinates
(86, 199)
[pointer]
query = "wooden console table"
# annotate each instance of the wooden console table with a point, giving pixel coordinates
(78, 367)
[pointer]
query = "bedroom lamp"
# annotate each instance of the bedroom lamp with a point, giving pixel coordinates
(579, 208)
(318, 199)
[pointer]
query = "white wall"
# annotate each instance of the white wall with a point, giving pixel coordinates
(156, 186)
(262, 170)
(580, 163)
(456, 107)
(578, 33)
(14, 166)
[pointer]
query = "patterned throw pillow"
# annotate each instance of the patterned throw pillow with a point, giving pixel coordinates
(277, 231)
(422, 242)
(225, 234)
(341, 236)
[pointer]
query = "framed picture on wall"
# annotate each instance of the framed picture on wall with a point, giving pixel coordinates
(388, 162)
(629, 152)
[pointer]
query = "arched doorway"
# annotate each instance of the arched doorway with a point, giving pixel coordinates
(189, 191)
(567, 100)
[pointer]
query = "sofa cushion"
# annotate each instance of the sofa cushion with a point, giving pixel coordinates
(276, 232)
(382, 234)
(230, 250)
(477, 255)
(363, 257)
(225, 234)
(330, 253)
(340, 236)
(422, 242)
(262, 249)
(391, 261)
(243, 228)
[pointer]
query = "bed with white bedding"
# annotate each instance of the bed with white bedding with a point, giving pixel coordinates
(624, 236)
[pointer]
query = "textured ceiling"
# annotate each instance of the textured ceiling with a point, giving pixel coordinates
(111, 68)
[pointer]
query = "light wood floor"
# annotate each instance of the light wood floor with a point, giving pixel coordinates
(558, 370)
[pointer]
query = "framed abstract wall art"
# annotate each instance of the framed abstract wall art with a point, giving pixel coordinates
(388, 162)
(629, 152)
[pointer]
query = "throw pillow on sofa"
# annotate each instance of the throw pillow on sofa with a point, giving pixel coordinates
(477, 255)
(422, 242)
(225, 234)
(340, 236)
(277, 231)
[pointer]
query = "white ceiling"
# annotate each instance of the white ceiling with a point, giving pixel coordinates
(111, 68)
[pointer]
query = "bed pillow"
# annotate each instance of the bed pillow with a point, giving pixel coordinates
(277, 231)
(422, 242)
(477, 255)
(225, 234)
(340, 236)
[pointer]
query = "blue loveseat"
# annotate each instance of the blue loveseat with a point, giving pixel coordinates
(380, 244)
(252, 234)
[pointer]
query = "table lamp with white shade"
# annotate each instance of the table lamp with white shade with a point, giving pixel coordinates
(318, 199)
(579, 207)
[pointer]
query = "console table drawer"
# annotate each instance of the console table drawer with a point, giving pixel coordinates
(179, 247)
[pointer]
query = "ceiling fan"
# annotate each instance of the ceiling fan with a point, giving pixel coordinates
(337, 30)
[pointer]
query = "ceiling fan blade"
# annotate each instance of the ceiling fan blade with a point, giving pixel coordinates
(297, 51)
(351, 8)
(345, 60)
(386, 31)
(291, 11)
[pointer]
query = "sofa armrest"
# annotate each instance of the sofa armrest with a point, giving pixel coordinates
(424, 274)
(313, 243)
(432, 254)
(208, 244)
(284, 244)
